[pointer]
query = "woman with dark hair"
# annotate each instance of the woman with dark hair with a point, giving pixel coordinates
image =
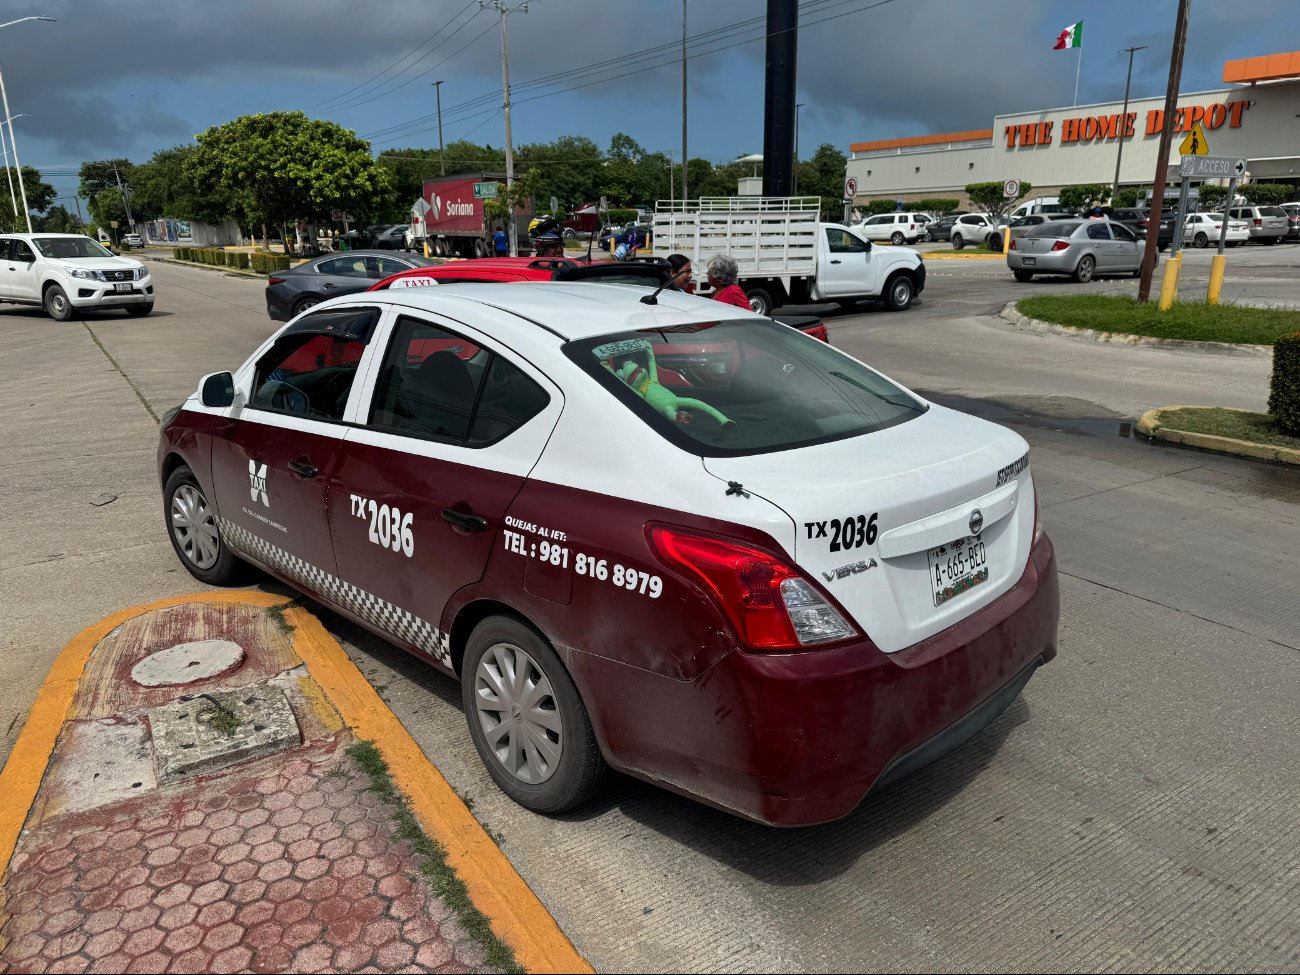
(681, 267)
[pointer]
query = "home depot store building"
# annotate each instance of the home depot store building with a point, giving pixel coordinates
(1065, 146)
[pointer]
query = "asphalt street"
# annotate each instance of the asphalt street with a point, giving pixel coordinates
(1133, 809)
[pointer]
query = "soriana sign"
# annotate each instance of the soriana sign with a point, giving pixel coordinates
(1089, 128)
(452, 206)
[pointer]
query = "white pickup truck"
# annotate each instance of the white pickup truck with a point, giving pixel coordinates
(786, 255)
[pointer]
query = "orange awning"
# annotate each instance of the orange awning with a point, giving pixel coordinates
(1267, 68)
(923, 140)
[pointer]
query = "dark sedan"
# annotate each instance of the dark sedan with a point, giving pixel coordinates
(941, 229)
(289, 293)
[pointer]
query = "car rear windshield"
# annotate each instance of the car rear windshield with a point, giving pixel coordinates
(733, 388)
(62, 248)
(1054, 229)
(1272, 212)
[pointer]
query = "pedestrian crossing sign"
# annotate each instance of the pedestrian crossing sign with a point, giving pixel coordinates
(1195, 144)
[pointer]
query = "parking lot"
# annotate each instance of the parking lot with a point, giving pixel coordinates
(1133, 809)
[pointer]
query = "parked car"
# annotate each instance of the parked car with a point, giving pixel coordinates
(605, 520)
(1267, 225)
(1022, 225)
(1165, 233)
(291, 292)
(1292, 220)
(70, 273)
(619, 233)
(941, 227)
(391, 238)
(978, 228)
(1080, 248)
(1204, 230)
(897, 228)
(133, 240)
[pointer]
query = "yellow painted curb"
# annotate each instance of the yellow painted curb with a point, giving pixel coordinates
(955, 256)
(1149, 425)
(518, 917)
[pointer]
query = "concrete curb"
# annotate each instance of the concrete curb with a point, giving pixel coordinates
(1017, 318)
(209, 267)
(1149, 426)
(517, 915)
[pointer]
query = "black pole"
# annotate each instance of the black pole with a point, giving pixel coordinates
(778, 105)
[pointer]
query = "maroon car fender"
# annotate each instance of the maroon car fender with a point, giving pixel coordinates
(188, 435)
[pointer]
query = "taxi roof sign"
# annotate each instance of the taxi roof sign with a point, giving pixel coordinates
(1195, 144)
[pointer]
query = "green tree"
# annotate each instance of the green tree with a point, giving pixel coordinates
(163, 187)
(988, 197)
(283, 167)
(515, 197)
(1213, 196)
(937, 205)
(1266, 194)
(57, 220)
(39, 197)
(1084, 196)
(1128, 196)
(874, 207)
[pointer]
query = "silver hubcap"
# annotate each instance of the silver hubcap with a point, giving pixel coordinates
(194, 527)
(58, 303)
(518, 713)
(900, 293)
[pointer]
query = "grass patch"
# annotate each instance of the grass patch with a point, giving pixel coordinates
(977, 249)
(1237, 424)
(279, 620)
(1196, 321)
(440, 874)
(221, 717)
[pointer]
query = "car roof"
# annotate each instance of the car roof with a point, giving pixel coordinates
(571, 310)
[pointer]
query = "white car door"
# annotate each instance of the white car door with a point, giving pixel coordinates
(5, 244)
(22, 268)
(871, 228)
(846, 268)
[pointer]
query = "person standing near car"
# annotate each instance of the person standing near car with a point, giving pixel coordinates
(501, 243)
(681, 279)
(724, 276)
(547, 238)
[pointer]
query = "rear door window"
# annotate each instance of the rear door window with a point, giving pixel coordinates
(345, 267)
(1098, 231)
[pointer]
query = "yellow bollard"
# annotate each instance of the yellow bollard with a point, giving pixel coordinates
(1216, 278)
(426, 247)
(1169, 283)
(1006, 240)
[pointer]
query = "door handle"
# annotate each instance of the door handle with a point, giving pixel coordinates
(327, 285)
(304, 467)
(471, 523)
(835, 261)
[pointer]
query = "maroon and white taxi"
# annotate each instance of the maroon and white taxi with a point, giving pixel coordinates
(675, 539)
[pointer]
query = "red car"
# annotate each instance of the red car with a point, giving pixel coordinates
(508, 270)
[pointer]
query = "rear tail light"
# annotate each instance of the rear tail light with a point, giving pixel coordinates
(770, 604)
(1038, 513)
(275, 280)
(1013, 243)
(1258, 222)
(1061, 245)
(1142, 223)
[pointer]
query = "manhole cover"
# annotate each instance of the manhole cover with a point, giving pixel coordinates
(206, 731)
(187, 662)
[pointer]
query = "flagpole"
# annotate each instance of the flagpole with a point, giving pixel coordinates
(1076, 75)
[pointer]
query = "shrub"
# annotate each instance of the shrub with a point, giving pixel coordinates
(1284, 385)
(881, 206)
(258, 260)
(1265, 194)
(231, 258)
(241, 261)
(1212, 197)
(939, 205)
(622, 216)
(1084, 196)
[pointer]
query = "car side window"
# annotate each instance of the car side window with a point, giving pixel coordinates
(437, 385)
(308, 375)
(1122, 233)
(19, 251)
(969, 220)
(5, 244)
(1098, 231)
(382, 267)
(843, 242)
(875, 221)
(347, 267)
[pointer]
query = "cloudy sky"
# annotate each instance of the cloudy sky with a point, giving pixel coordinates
(126, 77)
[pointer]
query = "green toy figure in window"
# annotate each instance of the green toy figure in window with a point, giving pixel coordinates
(644, 381)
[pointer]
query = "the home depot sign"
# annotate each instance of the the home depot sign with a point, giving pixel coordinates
(1111, 126)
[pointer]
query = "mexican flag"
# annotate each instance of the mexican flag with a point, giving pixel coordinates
(1072, 36)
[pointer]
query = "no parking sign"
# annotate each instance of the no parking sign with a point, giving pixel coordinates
(850, 187)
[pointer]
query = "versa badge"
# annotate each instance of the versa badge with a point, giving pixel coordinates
(848, 570)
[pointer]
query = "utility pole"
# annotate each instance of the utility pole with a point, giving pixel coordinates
(1151, 254)
(685, 157)
(442, 164)
(126, 204)
(510, 152)
(1123, 125)
(798, 105)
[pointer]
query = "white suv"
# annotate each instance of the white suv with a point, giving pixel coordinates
(897, 228)
(977, 228)
(67, 273)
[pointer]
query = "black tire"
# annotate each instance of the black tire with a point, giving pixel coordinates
(957, 242)
(995, 242)
(302, 304)
(899, 293)
(480, 248)
(570, 233)
(1024, 275)
(57, 305)
(760, 302)
(1270, 241)
(226, 568)
(1162, 248)
(1086, 268)
(580, 769)
(897, 240)
(140, 310)
(1201, 239)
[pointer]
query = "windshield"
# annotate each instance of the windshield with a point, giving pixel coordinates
(1053, 230)
(63, 248)
(722, 389)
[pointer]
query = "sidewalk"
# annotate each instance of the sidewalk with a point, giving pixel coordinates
(210, 806)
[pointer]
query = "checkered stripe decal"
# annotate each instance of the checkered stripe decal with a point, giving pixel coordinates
(383, 614)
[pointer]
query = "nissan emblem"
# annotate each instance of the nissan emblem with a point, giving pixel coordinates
(976, 521)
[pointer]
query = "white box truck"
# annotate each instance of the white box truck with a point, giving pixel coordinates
(785, 253)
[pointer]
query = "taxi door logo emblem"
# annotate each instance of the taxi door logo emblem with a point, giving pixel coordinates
(257, 482)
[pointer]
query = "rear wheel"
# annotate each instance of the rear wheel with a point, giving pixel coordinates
(957, 242)
(302, 304)
(897, 239)
(995, 242)
(760, 302)
(527, 719)
(192, 527)
(1201, 239)
(1087, 267)
(57, 305)
(570, 233)
(1024, 275)
(898, 296)
(1270, 241)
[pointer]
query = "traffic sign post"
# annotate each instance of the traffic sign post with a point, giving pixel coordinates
(1220, 260)
(850, 192)
(1195, 144)
(1010, 190)
(486, 191)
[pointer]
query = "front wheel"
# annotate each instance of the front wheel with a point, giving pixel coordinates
(957, 242)
(1087, 267)
(527, 719)
(140, 310)
(899, 295)
(1024, 275)
(760, 302)
(897, 239)
(192, 527)
(57, 305)
(570, 233)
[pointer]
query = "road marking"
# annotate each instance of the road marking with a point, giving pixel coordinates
(518, 917)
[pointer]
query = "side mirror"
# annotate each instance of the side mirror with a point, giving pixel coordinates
(217, 390)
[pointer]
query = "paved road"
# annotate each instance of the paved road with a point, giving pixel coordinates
(1134, 809)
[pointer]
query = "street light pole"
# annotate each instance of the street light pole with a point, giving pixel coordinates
(1123, 121)
(13, 197)
(437, 87)
(9, 118)
(685, 157)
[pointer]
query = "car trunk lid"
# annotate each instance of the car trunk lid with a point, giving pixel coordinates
(869, 511)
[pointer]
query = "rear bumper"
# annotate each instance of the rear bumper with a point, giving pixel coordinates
(277, 308)
(1049, 262)
(798, 739)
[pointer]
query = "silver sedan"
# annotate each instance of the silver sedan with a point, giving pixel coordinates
(1079, 248)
